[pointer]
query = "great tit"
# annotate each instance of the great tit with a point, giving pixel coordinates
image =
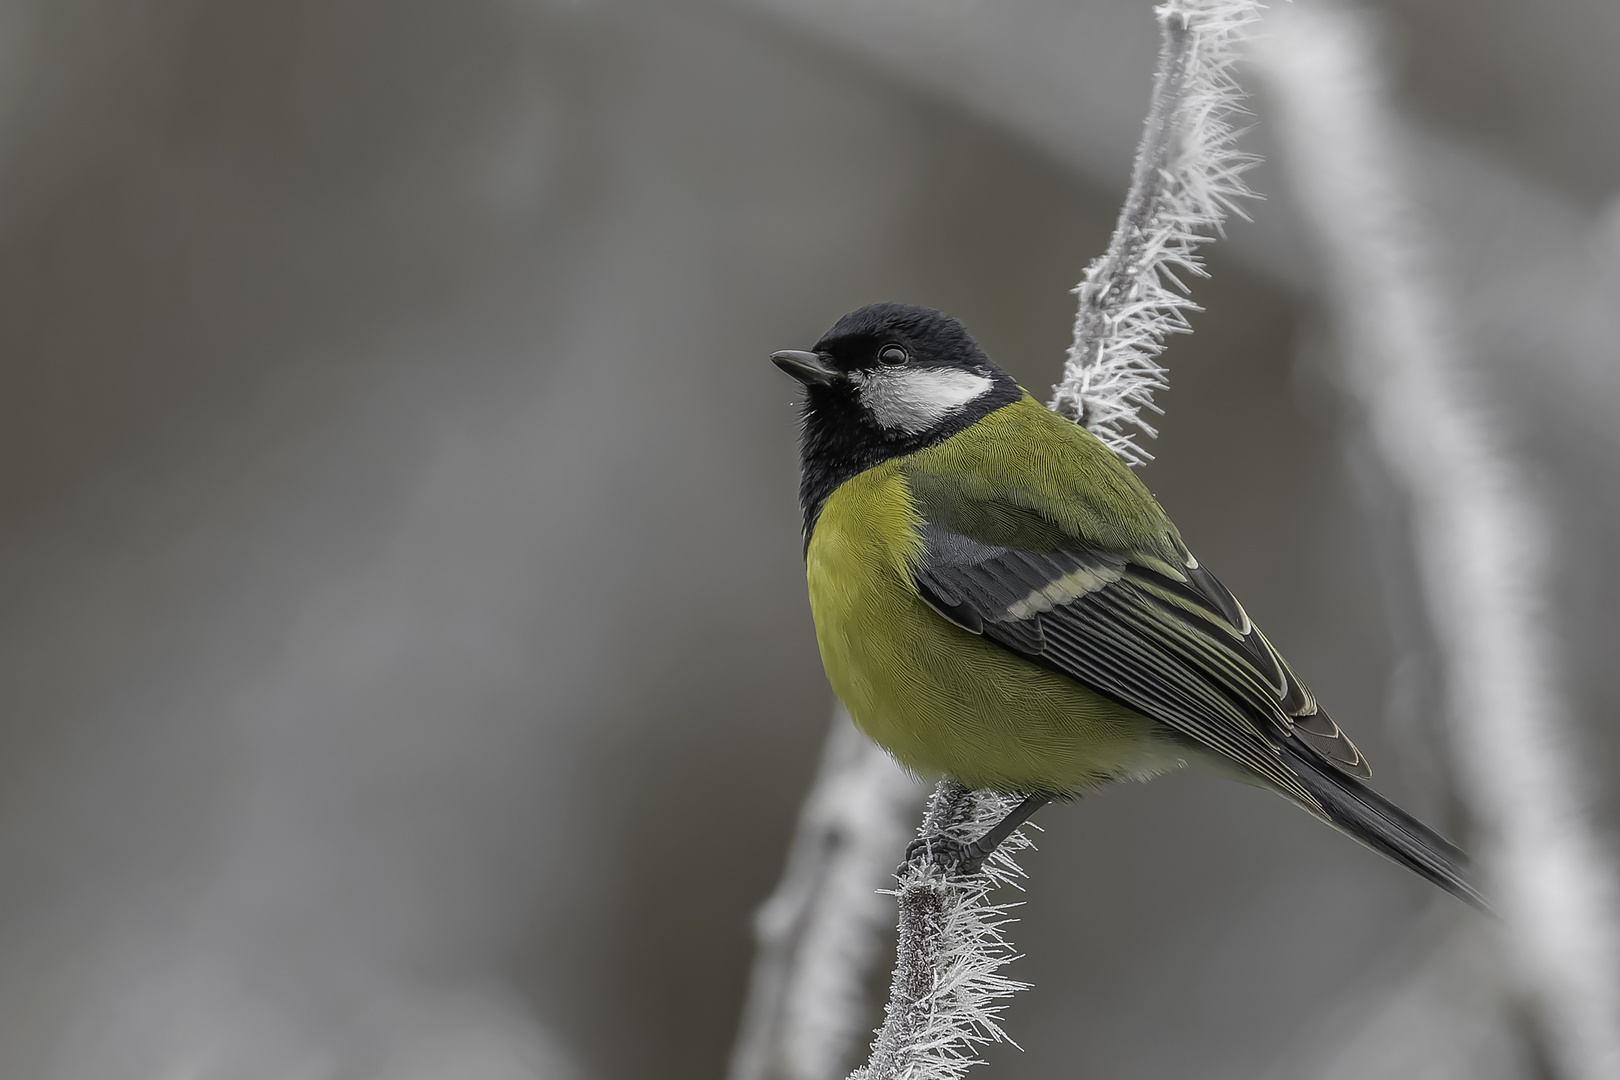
(997, 598)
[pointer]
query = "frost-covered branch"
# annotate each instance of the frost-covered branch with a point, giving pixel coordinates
(1481, 551)
(948, 991)
(1188, 177)
(820, 931)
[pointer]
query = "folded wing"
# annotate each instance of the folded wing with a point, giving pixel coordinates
(1177, 648)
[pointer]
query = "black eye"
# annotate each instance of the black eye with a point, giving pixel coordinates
(893, 354)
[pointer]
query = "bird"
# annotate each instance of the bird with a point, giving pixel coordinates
(999, 599)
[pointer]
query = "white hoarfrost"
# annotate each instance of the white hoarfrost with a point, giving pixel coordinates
(948, 991)
(1481, 549)
(1188, 176)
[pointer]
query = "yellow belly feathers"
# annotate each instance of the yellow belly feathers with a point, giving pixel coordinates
(941, 699)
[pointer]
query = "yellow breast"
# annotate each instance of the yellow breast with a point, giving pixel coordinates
(941, 699)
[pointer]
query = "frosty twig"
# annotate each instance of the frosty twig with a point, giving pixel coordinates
(1480, 547)
(948, 990)
(1188, 177)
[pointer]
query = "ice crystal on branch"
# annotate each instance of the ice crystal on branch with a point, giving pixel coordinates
(948, 989)
(1188, 176)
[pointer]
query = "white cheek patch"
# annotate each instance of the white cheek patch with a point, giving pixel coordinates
(915, 399)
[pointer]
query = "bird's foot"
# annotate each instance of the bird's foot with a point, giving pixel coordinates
(955, 857)
(961, 857)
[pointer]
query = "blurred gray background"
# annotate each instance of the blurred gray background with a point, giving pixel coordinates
(405, 669)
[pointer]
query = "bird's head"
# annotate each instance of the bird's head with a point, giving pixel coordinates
(888, 379)
(903, 372)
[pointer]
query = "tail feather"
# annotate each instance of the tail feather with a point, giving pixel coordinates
(1362, 813)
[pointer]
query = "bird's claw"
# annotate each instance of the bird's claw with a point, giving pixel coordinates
(951, 855)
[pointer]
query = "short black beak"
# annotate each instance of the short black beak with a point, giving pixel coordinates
(807, 367)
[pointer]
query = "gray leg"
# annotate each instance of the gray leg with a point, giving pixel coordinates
(954, 855)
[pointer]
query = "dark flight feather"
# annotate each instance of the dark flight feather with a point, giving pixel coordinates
(1186, 654)
(1363, 814)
